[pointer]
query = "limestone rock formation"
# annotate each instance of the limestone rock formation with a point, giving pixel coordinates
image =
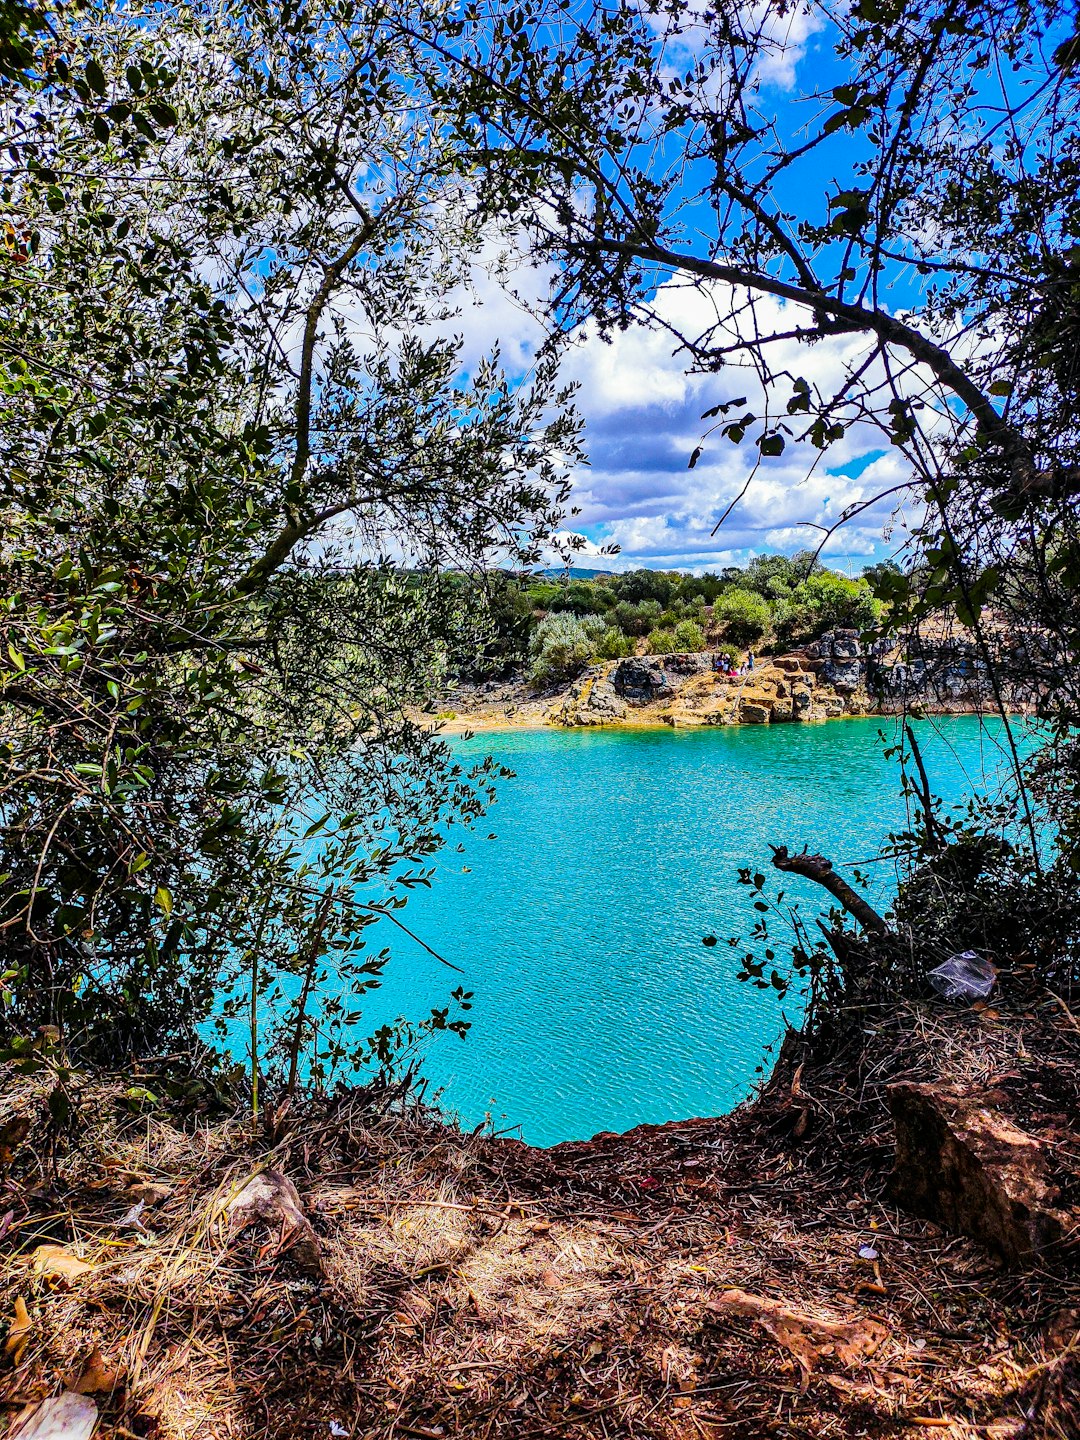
(591, 700)
(843, 665)
(961, 1162)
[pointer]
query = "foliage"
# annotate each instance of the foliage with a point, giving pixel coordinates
(232, 233)
(636, 586)
(662, 642)
(561, 647)
(613, 644)
(743, 615)
(638, 618)
(689, 637)
(834, 601)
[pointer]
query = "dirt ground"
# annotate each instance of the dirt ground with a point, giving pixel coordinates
(473, 1286)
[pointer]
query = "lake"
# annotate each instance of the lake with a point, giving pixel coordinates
(580, 925)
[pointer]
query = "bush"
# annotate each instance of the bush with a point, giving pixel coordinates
(833, 600)
(636, 619)
(690, 637)
(662, 642)
(561, 647)
(613, 644)
(581, 597)
(743, 615)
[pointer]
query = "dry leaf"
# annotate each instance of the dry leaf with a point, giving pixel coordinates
(18, 1337)
(149, 1192)
(55, 1262)
(806, 1337)
(97, 1376)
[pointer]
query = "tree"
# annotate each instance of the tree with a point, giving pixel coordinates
(743, 616)
(562, 645)
(235, 464)
(636, 587)
(833, 600)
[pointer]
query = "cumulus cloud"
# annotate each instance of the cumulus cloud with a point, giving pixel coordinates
(643, 415)
(643, 420)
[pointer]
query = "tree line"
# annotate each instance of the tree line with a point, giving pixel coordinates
(553, 626)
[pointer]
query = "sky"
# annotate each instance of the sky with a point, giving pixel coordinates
(643, 415)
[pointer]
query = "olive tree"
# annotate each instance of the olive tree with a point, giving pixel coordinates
(238, 456)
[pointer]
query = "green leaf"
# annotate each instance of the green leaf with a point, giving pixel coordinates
(95, 77)
(163, 896)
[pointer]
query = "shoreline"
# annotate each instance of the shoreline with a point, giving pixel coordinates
(469, 725)
(835, 678)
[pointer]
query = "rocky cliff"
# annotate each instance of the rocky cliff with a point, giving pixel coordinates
(835, 675)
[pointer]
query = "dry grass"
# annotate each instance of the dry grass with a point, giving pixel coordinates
(475, 1287)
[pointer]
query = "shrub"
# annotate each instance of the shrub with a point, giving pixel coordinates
(637, 619)
(689, 636)
(613, 644)
(833, 600)
(743, 615)
(581, 597)
(662, 642)
(562, 645)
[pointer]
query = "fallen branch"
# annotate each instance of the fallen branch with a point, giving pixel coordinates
(820, 870)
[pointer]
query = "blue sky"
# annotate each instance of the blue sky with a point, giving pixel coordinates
(643, 413)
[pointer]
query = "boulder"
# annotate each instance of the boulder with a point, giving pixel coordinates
(801, 701)
(753, 712)
(831, 706)
(845, 645)
(843, 676)
(641, 678)
(962, 1163)
(783, 707)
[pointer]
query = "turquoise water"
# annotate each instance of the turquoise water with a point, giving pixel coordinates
(580, 926)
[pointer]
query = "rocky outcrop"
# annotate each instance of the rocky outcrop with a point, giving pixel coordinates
(962, 1163)
(641, 678)
(843, 664)
(644, 678)
(591, 700)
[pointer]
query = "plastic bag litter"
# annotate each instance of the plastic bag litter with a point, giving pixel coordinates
(967, 976)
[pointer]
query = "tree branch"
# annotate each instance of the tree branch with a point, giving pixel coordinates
(886, 327)
(820, 870)
(288, 538)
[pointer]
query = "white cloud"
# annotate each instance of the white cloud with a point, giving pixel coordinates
(782, 37)
(643, 421)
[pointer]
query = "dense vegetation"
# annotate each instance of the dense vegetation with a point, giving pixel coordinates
(556, 625)
(227, 420)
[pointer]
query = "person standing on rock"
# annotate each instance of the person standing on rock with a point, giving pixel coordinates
(750, 660)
